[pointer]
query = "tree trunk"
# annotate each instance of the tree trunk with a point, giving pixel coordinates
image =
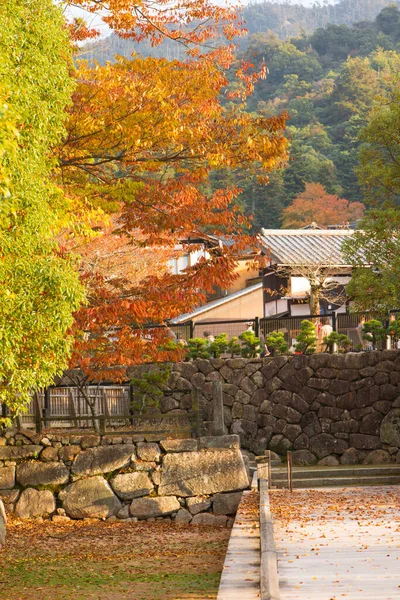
(314, 299)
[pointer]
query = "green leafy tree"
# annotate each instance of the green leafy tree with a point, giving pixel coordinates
(276, 343)
(220, 345)
(234, 348)
(147, 389)
(341, 340)
(251, 344)
(306, 341)
(379, 170)
(374, 252)
(40, 289)
(199, 348)
(373, 331)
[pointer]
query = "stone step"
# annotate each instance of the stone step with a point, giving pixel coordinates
(340, 471)
(340, 482)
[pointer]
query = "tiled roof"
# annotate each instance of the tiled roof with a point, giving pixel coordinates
(305, 246)
(206, 307)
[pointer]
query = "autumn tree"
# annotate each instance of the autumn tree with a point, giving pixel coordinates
(40, 288)
(143, 136)
(315, 205)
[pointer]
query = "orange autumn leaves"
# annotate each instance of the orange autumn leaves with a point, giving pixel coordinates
(316, 205)
(143, 136)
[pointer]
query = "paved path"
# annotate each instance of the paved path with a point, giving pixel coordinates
(240, 579)
(338, 544)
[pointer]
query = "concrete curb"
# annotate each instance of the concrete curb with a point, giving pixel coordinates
(269, 580)
(240, 578)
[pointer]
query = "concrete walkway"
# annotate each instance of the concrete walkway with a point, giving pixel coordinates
(338, 543)
(240, 579)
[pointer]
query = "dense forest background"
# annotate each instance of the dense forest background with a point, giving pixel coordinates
(327, 65)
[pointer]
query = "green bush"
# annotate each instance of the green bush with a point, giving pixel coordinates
(234, 348)
(340, 339)
(306, 341)
(276, 343)
(251, 344)
(373, 331)
(199, 348)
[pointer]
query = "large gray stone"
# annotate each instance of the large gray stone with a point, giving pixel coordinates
(303, 458)
(390, 428)
(7, 478)
(324, 444)
(377, 457)
(209, 519)
(226, 504)
(35, 503)
(351, 456)
(36, 473)
(195, 473)
(148, 451)
(132, 485)
(103, 459)
(217, 442)
(362, 441)
(280, 444)
(189, 445)
(198, 504)
(15, 452)
(92, 497)
(183, 516)
(3, 524)
(160, 506)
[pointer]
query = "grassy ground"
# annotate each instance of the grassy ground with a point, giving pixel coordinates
(111, 561)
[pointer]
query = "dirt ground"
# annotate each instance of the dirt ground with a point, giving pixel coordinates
(78, 560)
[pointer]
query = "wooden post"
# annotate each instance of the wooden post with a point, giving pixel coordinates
(218, 409)
(72, 408)
(269, 469)
(102, 420)
(18, 422)
(46, 409)
(38, 414)
(196, 411)
(290, 471)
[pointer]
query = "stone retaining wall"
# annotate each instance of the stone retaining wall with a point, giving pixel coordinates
(84, 476)
(327, 408)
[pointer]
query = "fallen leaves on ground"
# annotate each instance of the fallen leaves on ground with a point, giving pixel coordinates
(111, 561)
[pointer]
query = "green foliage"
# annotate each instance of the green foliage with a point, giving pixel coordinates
(234, 348)
(379, 170)
(394, 329)
(375, 288)
(327, 79)
(373, 331)
(276, 343)
(341, 340)
(203, 348)
(199, 348)
(220, 345)
(146, 391)
(40, 287)
(251, 344)
(306, 341)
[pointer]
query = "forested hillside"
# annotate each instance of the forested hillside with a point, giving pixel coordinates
(327, 81)
(284, 19)
(289, 20)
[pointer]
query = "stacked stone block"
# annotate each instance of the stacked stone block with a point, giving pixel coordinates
(91, 476)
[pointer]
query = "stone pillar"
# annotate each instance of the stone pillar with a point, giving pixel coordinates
(218, 409)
